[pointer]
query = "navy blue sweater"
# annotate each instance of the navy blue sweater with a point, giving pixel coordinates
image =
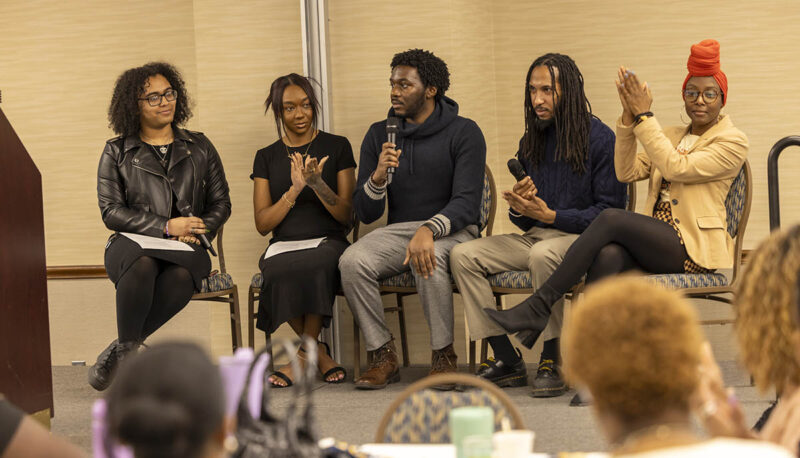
(577, 199)
(440, 177)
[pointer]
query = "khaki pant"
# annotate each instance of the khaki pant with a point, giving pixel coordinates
(539, 251)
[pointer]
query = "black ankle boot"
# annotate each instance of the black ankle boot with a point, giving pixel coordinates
(102, 373)
(529, 318)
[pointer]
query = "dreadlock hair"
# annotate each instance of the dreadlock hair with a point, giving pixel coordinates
(123, 112)
(767, 311)
(432, 70)
(572, 112)
(275, 98)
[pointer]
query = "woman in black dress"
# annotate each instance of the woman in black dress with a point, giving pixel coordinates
(303, 188)
(149, 180)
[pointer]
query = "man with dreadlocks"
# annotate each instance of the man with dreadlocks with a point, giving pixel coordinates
(433, 198)
(568, 156)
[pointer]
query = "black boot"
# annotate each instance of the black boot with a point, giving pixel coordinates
(102, 373)
(529, 318)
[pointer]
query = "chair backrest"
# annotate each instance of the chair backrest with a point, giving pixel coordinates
(488, 203)
(420, 414)
(737, 208)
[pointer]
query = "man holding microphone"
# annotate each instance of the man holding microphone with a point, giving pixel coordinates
(565, 180)
(432, 178)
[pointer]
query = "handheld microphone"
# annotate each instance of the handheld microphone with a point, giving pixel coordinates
(392, 126)
(186, 210)
(516, 169)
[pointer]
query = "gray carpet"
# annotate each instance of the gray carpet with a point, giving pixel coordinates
(352, 416)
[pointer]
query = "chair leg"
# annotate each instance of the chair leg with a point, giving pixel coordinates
(236, 320)
(484, 349)
(356, 351)
(271, 365)
(471, 356)
(403, 340)
(251, 317)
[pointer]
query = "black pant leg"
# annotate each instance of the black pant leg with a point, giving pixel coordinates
(652, 244)
(173, 290)
(135, 297)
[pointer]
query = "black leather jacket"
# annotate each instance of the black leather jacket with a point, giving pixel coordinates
(135, 193)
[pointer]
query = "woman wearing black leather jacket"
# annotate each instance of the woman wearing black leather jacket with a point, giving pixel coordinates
(148, 179)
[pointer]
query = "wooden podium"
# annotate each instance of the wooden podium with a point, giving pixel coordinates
(25, 374)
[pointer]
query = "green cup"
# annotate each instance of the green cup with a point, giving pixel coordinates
(470, 422)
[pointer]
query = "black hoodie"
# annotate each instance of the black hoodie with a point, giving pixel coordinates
(440, 177)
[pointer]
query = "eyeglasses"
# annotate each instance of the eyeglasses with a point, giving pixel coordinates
(709, 95)
(154, 100)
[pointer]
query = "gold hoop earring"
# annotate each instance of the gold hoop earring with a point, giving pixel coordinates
(682, 112)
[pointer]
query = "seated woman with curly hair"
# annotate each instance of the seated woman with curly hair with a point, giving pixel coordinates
(159, 180)
(636, 348)
(768, 332)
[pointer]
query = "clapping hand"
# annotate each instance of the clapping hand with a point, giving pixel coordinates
(635, 97)
(312, 169)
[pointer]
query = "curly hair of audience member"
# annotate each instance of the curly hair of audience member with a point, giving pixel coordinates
(432, 70)
(636, 346)
(123, 112)
(767, 311)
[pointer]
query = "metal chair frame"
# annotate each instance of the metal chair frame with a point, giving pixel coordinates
(229, 296)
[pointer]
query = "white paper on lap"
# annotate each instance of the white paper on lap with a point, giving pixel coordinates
(285, 247)
(155, 243)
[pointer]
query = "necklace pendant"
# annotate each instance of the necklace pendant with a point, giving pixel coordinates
(163, 149)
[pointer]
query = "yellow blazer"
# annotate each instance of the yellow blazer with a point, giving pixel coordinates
(700, 179)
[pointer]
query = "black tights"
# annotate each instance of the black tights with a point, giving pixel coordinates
(149, 293)
(619, 241)
(615, 242)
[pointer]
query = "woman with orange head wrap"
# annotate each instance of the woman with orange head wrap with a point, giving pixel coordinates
(683, 228)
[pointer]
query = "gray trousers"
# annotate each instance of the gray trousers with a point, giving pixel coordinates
(380, 255)
(539, 251)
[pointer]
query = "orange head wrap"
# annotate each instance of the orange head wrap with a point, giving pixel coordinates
(704, 61)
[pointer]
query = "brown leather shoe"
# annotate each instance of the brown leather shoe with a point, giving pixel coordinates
(383, 369)
(442, 362)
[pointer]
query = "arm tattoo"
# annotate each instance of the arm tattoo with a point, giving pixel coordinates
(325, 193)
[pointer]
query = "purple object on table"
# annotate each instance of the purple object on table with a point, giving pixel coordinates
(100, 431)
(234, 374)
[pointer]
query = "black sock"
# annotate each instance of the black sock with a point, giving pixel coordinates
(550, 350)
(503, 350)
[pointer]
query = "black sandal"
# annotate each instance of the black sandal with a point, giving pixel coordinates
(332, 370)
(283, 377)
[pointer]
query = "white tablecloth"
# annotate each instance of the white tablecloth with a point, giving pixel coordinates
(419, 451)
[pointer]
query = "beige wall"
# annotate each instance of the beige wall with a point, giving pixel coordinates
(58, 65)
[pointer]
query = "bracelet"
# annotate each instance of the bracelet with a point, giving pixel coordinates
(513, 213)
(641, 117)
(166, 228)
(291, 204)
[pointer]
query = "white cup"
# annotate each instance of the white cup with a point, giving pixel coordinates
(516, 443)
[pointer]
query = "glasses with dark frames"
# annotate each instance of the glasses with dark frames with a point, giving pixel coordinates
(709, 95)
(154, 100)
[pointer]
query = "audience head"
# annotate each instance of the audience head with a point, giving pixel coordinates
(168, 401)
(554, 95)
(294, 104)
(705, 88)
(153, 95)
(636, 348)
(418, 76)
(767, 325)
